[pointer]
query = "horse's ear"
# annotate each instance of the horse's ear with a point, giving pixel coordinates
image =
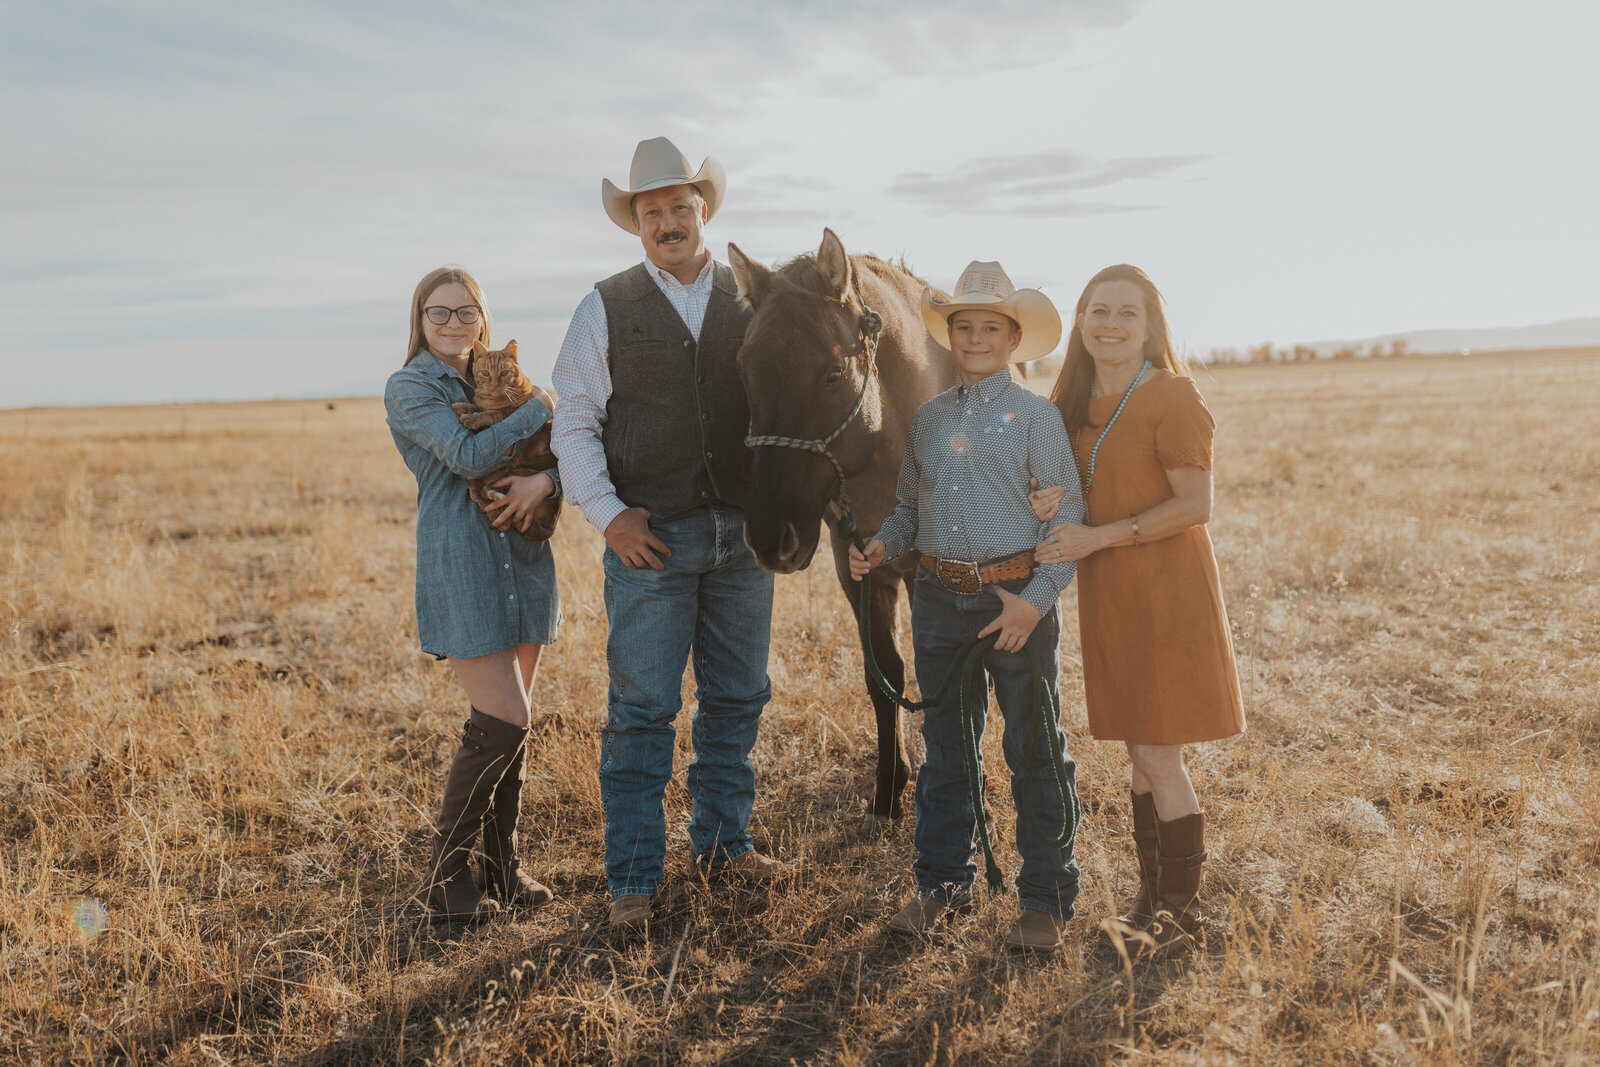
(833, 264)
(753, 278)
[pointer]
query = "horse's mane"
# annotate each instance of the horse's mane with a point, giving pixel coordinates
(802, 275)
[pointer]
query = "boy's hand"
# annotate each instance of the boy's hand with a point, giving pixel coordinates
(861, 564)
(1015, 622)
(1044, 501)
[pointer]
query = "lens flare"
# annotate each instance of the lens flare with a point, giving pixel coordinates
(89, 916)
(1008, 418)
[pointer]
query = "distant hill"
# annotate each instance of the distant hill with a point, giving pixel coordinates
(1565, 334)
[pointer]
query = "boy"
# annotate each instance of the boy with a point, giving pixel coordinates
(964, 505)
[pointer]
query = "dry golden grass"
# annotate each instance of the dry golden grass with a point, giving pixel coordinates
(214, 724)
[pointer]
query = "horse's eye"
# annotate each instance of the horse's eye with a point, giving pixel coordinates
(834, 375)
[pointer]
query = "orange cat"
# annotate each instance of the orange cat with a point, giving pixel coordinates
(500, 387)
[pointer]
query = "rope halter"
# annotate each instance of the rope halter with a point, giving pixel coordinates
(870, 325)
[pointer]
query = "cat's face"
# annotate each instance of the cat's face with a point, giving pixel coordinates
(497, 380)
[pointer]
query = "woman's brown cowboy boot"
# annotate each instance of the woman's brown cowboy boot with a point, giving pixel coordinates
(499, 871)
(1176, 926)
(481, 761)
(1143, 909)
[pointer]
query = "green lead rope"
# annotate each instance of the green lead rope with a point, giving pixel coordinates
(964, 664)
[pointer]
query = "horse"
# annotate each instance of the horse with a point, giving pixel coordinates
(836, 344)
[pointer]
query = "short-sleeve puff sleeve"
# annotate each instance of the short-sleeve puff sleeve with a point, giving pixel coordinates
(1184, 428)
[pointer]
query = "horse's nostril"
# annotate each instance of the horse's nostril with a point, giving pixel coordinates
(788, 541)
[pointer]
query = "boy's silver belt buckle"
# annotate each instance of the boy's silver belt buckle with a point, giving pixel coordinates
(960, 577)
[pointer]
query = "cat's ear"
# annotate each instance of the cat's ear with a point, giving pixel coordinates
(511, 348)
(478, 349)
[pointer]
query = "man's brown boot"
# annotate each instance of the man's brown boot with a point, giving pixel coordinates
(1177, 925)
(1143, 909)
(630, 917)
(755, 866)
(500, 873)
(484, 756)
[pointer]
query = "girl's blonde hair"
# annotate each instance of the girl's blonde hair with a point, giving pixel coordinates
(431, 281)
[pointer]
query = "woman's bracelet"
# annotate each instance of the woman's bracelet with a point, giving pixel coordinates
(1135, 520)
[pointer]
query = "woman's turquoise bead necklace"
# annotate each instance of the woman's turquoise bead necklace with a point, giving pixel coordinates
(1126, 393)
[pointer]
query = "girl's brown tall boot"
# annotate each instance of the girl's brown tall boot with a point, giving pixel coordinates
(482, 760)
(500, 873)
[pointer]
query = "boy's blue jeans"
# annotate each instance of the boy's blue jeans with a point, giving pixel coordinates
(713, 605)
(942, 621)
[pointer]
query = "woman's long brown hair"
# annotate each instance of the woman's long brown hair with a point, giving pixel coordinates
(1071, 392)
(431, 281)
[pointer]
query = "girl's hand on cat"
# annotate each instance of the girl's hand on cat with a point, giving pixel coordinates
(523, 493)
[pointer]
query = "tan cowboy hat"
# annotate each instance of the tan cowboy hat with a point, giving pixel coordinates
(657, 163)
(985, 287)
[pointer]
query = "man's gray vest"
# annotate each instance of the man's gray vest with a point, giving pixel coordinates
(677, 418)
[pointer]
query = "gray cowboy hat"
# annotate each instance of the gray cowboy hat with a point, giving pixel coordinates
(657, 164)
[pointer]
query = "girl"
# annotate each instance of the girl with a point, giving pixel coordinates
(486, 600)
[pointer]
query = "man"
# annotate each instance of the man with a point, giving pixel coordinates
(650, 434)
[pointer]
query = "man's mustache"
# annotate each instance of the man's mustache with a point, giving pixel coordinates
(681, 235)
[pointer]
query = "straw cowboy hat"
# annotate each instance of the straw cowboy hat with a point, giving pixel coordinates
(657, 163)
(985, 287)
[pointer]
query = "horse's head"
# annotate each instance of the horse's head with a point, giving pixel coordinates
(806, 362)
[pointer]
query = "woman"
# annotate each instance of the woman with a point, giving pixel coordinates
(486, 600)
(1158, 668)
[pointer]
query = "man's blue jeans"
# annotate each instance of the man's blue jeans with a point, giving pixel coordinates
(714, 603)
(941, 621)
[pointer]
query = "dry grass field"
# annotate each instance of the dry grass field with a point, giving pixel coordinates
(220, 747)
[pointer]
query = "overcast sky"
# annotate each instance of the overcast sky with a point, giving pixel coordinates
(218, 201)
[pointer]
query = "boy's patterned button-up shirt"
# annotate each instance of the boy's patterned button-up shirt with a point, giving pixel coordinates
(964, 481)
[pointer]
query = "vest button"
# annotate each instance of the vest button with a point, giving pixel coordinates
(704, 495)
(705, 416)
(688, 344)
(708, 455)
(701, 379)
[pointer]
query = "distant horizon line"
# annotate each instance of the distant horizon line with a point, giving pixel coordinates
(333, 398)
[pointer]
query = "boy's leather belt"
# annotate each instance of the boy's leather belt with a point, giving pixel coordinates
(968, 579)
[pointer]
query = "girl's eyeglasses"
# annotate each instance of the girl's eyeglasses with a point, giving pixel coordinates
(441, 315)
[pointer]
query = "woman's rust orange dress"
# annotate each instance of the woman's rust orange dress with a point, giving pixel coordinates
(1158, 665)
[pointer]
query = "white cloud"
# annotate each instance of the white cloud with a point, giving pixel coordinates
(1031, 185)
(191, 188)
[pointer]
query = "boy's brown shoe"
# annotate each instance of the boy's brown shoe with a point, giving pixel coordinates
(920, 916)
(1036, 931)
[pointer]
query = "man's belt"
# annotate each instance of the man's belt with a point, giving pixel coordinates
(968, 579)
